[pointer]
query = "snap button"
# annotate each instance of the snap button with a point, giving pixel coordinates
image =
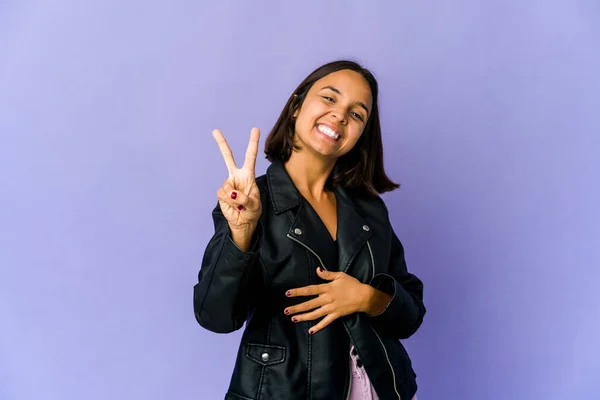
(298, 231)
(366, 228)
(265, 357)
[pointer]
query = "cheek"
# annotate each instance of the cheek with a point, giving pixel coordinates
(307, 117)
(311, 109)
(302, 123)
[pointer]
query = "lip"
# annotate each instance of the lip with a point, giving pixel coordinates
(332, 127)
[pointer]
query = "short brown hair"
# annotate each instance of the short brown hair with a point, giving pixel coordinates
(360, 168)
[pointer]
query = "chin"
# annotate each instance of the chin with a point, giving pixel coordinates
(326, 154)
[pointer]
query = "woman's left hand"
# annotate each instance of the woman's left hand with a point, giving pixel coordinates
(341, 296)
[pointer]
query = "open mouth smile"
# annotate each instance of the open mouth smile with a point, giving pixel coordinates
(332, 132)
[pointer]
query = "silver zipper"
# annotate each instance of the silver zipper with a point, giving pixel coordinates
(321, 262)
(389, 363)
(372, 259)
(380, 341)
(307, 248)
(384, 350)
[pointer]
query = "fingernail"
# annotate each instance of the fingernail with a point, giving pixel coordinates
(311, 332)
(294, 319)
(286, 312)
(320, 269)
(240, 208)
(288, 293)
(234, 195)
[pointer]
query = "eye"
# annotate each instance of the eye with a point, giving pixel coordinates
(329, 99)
(357, 115)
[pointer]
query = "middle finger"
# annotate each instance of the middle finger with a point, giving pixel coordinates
(305, 306)
(236, 196)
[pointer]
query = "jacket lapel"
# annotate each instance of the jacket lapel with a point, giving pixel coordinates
(353, 231)
(308, 230)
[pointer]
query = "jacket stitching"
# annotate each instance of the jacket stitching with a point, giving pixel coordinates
(308, 337)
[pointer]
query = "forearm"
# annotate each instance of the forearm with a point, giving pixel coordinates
(222, 295)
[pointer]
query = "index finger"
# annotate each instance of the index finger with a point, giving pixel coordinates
(225, 150)
(252, 150)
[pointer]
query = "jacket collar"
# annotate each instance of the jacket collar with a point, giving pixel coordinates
(283, 192)
(353, 232)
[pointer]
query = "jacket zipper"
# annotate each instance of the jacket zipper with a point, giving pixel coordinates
(309, 249)
(322, 265)
(384, 350)
(380, 341)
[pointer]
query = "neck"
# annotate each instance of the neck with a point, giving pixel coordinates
(309, 173)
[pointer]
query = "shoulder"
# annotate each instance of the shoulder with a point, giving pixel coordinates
(368, 203)
(375, 213)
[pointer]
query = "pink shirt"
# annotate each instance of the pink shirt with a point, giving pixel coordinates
(361, 388)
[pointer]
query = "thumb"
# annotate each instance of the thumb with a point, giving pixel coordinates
(327, 275)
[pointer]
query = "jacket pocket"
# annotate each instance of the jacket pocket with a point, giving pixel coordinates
(265, 354)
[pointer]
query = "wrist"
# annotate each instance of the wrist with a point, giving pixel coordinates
(374, 301)
(367, 298)
(242, 236)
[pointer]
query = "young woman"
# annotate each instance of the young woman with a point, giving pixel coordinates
(307, 257)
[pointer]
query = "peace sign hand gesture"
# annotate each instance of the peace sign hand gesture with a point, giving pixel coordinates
(239, 197)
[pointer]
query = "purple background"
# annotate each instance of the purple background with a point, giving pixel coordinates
(108, 174)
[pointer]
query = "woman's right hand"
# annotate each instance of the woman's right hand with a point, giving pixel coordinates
(239, 197)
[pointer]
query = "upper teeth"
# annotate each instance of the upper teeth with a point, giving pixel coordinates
(328, 131)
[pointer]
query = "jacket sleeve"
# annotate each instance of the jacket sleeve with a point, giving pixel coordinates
(228, 279)
(404, 313)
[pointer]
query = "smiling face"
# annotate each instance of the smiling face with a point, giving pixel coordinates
(333, 115)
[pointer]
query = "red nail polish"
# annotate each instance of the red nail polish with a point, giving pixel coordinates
(234, 195)
(286, 312)
(311, 332)
(240, 208)
(288, 293)
(294, 319)
(320, 269)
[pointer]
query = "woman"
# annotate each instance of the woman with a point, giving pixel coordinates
(306, 255)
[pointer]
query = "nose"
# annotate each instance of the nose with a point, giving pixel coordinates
(339, 114)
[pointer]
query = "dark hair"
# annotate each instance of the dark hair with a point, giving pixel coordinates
(360, 168)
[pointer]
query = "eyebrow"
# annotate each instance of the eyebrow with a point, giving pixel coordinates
(333, 89)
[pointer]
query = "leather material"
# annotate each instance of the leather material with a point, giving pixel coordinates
(278, 359)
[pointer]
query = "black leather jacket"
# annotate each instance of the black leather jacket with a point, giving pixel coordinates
(278, 359)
